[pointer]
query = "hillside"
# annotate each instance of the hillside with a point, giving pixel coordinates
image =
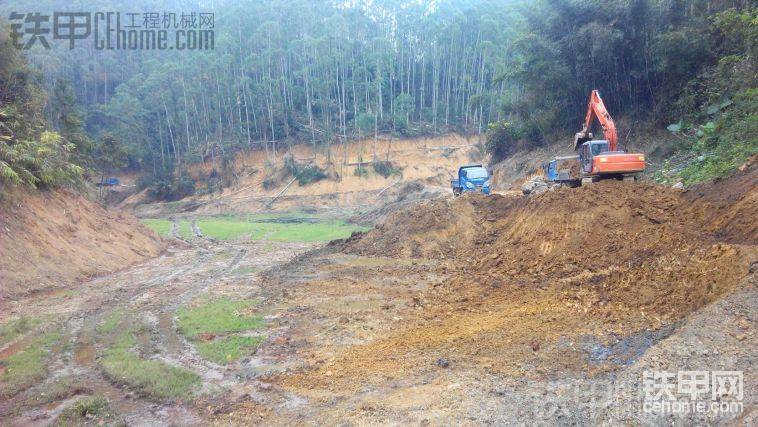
(52, 240)
(351, 181)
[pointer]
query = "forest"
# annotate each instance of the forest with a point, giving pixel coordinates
(325, 72)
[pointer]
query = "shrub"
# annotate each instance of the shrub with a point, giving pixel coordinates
(503, 139)
(42, 161)
(165, 185)
(360, 171)
(386, 169)
(304, 174)
(727, 143)
(309, 174)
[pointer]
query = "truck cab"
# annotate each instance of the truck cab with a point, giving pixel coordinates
(471, 178)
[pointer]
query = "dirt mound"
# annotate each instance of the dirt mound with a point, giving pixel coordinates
(570, 282)
(52, 239)
(728, 207)
(628, 242)
(401, 197)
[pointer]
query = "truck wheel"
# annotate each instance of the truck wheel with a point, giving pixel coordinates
(629, 178)
(586, 181)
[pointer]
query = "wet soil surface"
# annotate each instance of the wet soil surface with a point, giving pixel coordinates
(152, 292)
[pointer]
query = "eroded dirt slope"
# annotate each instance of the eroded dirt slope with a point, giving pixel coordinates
(428, 162)
(50, 239)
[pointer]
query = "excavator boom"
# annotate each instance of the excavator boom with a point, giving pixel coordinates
(596, 110)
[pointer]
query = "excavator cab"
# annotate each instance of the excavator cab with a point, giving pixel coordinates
(589, 150)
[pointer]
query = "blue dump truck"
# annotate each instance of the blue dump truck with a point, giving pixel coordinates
(108, 182)
(471, 178)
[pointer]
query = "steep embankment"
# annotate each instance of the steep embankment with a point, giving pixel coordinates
(352, 181)
(53, 239)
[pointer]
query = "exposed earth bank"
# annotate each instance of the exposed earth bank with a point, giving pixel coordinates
(53, 239)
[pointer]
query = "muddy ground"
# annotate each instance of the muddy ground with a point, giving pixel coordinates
(475, 310)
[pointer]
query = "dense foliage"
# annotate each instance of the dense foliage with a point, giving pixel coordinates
(29, 154)
(326, 71)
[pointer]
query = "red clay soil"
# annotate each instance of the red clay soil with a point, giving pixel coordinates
(532, 277)
(52, 239)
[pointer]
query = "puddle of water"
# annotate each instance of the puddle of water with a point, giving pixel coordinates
(85, 354)
(166, 328)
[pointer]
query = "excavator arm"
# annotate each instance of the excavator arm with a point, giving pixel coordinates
(596, 110)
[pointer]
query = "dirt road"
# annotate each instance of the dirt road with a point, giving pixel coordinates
(149, 293)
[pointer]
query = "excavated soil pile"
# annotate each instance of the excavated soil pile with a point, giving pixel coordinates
(53, 239)
(570, 282)
(727, 208)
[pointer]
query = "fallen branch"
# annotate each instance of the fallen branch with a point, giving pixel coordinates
(387, 188)
(268, 205)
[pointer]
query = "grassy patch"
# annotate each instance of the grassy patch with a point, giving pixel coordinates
(217, 317)
(59, 389)
(242, 271)
(149, 377)
(226, 229)
(160, 226)
(27, 367)
(89, 411)
(225, 350)
(110, 322)
(316, 232)
(13, 329)
(278, 227)
(220, 317)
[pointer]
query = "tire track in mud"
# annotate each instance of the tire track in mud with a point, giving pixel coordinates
(149, 293)
(80, 319)
(178, 351)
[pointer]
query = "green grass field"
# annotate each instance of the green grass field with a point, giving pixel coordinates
(29, 366)
(274, 227)
(220, 317)
(148, 377)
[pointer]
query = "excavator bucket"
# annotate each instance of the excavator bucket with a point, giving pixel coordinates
(580, 138)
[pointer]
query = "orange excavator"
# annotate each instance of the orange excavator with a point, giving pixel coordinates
(597, 159)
